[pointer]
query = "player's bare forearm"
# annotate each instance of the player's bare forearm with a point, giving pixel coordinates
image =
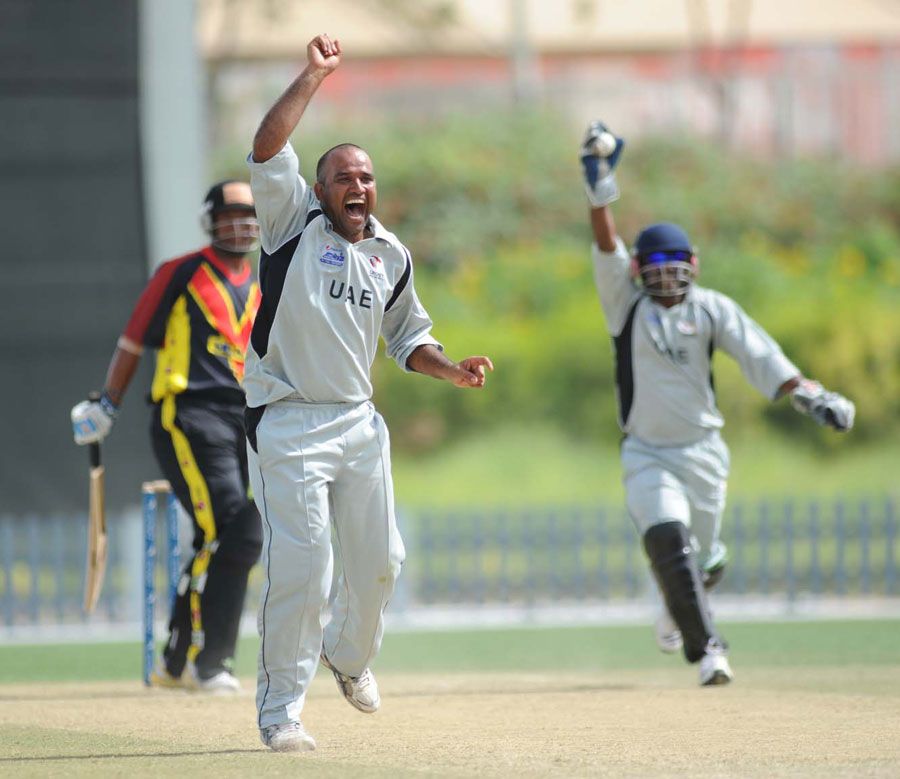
(604, 228)
(121, 370)
(788, 387)
(431, 361)
(282, 118)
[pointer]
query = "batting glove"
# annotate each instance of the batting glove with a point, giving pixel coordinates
(599, 178)
(827, 408)
(93, 419)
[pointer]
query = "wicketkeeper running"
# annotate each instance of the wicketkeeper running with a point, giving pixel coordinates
(665, 330)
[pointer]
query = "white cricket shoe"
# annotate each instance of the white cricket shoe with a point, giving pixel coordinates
(289, 737)
(668, 636)
(360, 691)
(222, 683)
(714, 667)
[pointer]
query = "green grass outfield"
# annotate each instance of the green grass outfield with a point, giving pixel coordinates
(832, 644)
(542, 466)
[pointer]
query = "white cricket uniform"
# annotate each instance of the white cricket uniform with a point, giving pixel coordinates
(319, 452)
(675, 463)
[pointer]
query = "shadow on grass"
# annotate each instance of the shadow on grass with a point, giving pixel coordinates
(571, 688)
(144, 695)
(141, 755)
(90, 695)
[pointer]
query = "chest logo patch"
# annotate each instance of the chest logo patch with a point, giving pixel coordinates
(686, 328)
(332, 256)
(377, 271)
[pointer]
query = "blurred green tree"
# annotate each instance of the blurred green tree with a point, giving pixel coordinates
(493, 211)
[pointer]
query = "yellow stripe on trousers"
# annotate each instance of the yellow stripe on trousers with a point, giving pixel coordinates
(203, 514)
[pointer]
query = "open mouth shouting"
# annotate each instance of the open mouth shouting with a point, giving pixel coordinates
(345, 187)
(355, 209)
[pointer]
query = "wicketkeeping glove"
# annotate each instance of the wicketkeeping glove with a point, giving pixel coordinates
(599, 178)
(826, 408)
(93, 419)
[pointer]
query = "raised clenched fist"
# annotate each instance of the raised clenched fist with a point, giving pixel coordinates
(324, 53)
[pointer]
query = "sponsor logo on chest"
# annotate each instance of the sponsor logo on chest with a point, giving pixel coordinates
(333, 256)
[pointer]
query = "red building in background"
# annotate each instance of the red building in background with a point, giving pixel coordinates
(793, 78)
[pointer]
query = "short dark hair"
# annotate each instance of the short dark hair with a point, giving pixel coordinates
(320, 165)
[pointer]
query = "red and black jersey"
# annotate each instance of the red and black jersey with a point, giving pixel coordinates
(198, 313)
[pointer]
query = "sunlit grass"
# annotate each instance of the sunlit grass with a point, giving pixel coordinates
(850, 644)
(541, 466)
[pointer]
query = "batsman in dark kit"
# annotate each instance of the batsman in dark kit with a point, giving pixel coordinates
(665, 330)
(198, 310)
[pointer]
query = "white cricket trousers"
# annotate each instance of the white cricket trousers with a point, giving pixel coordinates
(679, 483)
(320, 468)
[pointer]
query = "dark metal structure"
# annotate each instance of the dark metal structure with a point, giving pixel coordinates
(74, 254)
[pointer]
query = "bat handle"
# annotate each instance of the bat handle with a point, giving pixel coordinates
(94, 449)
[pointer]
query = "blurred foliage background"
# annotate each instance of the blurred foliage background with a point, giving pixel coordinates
(493, 210)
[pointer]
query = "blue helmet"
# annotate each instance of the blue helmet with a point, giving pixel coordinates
(665, 260)
(662, 237)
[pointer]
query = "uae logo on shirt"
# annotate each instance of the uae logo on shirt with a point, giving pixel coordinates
(377, 268)
(332, 256)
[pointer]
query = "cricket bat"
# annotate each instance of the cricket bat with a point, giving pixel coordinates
(97, 546)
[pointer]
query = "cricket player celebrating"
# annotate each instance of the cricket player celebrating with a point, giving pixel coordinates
(665, 329)
(333, 279)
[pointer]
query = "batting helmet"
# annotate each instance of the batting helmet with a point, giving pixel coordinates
(664, 259)
(228, 216)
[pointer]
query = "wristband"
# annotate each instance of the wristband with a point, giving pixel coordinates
(109, 407)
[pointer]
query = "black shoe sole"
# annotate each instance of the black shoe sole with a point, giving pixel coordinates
(718, 678)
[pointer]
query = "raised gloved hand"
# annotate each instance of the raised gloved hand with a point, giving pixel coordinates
(826, 408)
(600, 152)
(93, 419)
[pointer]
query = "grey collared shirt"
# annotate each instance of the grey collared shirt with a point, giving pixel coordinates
(325, 300)
(664, 355)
